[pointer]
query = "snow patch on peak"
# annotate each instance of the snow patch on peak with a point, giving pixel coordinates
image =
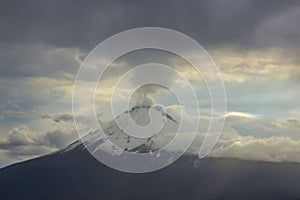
(118, 136)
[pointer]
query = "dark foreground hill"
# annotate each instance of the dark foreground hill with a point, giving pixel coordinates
(75, 174)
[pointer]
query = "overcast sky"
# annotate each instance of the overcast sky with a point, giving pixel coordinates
(255, 43)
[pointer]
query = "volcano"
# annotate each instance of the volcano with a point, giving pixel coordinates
(73, 173)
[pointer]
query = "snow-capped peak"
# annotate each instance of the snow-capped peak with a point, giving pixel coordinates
(117, 130)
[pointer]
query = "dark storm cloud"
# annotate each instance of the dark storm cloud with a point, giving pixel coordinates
(42, 43)
(22, 141)
(37, 60)
(59, 117)
(85, 23)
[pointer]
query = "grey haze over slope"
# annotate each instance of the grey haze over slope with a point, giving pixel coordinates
(73, 173)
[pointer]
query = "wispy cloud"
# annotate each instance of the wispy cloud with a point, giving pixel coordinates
(255, 45)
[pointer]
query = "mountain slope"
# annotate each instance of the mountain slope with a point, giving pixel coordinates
(72, 173)
(77, 175)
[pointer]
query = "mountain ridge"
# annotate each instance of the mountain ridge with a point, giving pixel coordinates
(76, 174)
(73, 173)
